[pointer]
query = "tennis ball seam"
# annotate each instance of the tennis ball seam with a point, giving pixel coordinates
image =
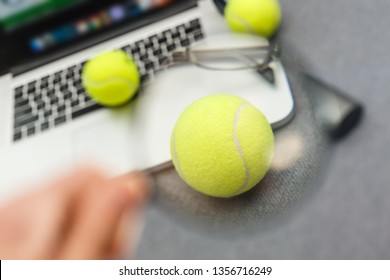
(248, 27)
(239, 148)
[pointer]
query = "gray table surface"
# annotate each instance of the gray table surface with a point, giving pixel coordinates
(343, 213)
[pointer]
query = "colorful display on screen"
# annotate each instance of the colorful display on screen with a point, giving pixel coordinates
(14, 13)
(113, 14)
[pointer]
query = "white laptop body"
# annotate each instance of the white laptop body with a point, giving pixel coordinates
(132, 137)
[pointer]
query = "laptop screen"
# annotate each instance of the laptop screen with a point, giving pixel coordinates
(14, 13)
(35, 29)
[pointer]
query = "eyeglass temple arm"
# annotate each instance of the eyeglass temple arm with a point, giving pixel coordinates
(188, 54)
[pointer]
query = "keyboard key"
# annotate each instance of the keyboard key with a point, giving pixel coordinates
(17, 136)
(167, 33)
(72, 69)
(86, 110)
(80, 91)
(63, 87)
(50, 93)
(171, 47)
(191, 28)
(135, 50)
(143, 56)
(153, 38)
(44, 85)
(67, 94)
(144, 78)
(37, 97)
(27, 119)
(79, 71)
(75, 103)
(47, 112)
(40, 105)
(19, 90)
(195, 22)
(61, 109)
(162, 40)
(59, 120)
(18, 95)
(185, 43)
(87, 98)
(157, 52)
(32, 84)
(175, 35)
(53, 100)
(21, 102)
(31, 131)
(69, 75)
(44, 126)
(139, 44)
(77, 83)
(24, 111)
(198, 36)
(45, 79)
(163, 61)
(149, 65)
(31, 90)
(57, 80)
(148, 44)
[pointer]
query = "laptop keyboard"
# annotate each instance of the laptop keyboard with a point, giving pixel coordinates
(56, 99)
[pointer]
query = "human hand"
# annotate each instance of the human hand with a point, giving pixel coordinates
(83, 215)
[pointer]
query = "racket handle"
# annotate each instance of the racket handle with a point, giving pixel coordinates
(337, 112)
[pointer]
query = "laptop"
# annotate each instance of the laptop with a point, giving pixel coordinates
(48, 123)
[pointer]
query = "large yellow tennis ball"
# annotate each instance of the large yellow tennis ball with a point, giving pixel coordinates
(261, 17)
(111, 78)
(222, 145)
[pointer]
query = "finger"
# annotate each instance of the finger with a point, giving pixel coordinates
(131, 222)
(127, 234)
(34, 225)
(73, 182)
(138, 192)
(62, 199)
(99, 216)
(129, 229)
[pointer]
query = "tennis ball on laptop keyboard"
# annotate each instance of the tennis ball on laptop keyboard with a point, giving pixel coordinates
(111, 78)
(222, 145)
(261, 17)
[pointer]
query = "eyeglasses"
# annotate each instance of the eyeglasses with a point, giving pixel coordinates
(230, 52)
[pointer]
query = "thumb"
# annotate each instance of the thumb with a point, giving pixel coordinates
(99, 215)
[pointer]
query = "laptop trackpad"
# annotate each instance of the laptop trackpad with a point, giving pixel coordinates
(108, 144)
